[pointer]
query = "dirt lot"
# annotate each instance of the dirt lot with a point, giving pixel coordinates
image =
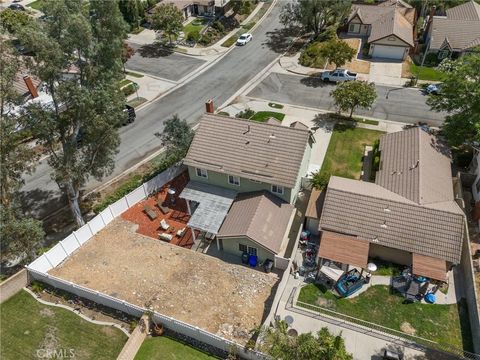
(223, 298)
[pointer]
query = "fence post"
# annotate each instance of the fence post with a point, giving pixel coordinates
(61, 245)
(126, 200)
(75, 236)
(111, 212)
(103, 220)
(46, 257)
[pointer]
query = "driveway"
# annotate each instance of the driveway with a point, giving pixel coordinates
(159, 62)
(386, 72)
(395, 104)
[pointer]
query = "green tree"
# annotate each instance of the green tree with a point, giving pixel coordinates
(352, 94)
(20, 235)
(169, 19)
(320, 180)
(89, 106)
(337, 52)
(131, 11)
(176, 137)
(127, 53)
(321, 346)
(13, 20)
(460, 98)
(314, 15)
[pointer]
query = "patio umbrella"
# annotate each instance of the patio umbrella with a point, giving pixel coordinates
(371, 267)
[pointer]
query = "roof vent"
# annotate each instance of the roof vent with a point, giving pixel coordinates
(394, 172)
(248, 130)
(415, 166)
(375, 239)
(384, 225)
(247, 142)
(270, 137)
(387, 209)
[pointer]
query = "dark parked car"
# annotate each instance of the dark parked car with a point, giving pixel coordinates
(18, 7)
(131, 115)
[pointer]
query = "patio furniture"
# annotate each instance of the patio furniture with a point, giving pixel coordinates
(412, 292)
(423, 290)
(181, 232)
(164, 209)
(430, 298)
(165, 237)
(150, 212)
(331, 271)
(349, 283)
(164, 225)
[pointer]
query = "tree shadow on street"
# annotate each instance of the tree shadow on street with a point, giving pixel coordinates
(155, 50)
(314, 81)
(280, 39)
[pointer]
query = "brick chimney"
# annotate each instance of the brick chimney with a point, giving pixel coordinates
(209, 106)
(30, 86)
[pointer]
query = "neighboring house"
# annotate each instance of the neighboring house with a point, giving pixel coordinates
(193, 7)
(456, 33)
(388, 28)
(244, 178)
(408, 216)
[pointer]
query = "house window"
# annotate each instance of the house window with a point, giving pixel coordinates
(276, 189)
(442, 54)
(201, 173)
(242, 248)
(252, 251)
(354, 28)
(233, 180)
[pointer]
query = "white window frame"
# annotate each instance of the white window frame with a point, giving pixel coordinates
(278, 187)
(234, 183)
(352, 26)
(252, 251)
(201, 173)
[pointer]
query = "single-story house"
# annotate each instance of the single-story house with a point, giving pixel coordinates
(408, 216)
(388, 28)
(258, 223)
(456, 33)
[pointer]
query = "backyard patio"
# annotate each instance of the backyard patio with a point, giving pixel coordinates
(164, 215)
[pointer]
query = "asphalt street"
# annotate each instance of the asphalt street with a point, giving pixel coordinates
(154, 60)
(41, 195)
(403, 104)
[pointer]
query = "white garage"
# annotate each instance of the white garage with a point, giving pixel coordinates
(389, 52)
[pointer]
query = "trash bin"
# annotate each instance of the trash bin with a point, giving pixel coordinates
(252, 260)
(244, 258)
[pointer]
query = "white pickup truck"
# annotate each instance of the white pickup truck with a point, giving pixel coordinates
(338, 75)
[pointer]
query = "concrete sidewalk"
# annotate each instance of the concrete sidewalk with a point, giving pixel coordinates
(363, 345)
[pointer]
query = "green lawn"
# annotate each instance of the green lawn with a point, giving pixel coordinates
(37, 5)
(164, 348)
(28, 326)
(263, 116)
(194, 25)
(345, 151)
(426, 73)
(445, 324)
(136, 101)
(231, 40)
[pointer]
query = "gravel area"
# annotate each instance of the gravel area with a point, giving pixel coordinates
(223, 298)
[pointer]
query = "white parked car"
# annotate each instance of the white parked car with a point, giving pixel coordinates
(338, 75)
(244, 39)
(434, 89)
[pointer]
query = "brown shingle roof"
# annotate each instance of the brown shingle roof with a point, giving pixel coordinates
(392, 23)
(414, 165)
(343, 248)
(467, 11)
(253, 150)
(260, 216)
(459, 34)
(376, 214)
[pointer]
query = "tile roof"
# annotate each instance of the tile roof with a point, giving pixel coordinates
(387, 18)
(467, 11)
(414, 165)
(459, 34)
(261, 216)
(373, 213)
(250, 149)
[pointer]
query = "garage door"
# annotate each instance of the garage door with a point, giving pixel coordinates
(388, 52)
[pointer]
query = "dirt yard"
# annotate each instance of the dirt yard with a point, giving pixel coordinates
(226, 299)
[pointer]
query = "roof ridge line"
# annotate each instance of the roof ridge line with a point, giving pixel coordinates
(256, 122)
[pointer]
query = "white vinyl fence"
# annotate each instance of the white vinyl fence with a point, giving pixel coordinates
(61, 251)
(170, 323)
(38, 269)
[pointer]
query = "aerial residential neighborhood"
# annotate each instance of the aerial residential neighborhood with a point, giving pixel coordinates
(240, 179)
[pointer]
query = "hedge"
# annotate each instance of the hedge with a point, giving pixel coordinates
(133, 183)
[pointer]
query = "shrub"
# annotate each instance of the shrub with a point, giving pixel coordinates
(431, 60)
(129, 89)
(193, 35)
(206, 39)
(320, 180)
(245, 114)
(133, 183)
(37, 287)
(217, 25)
(311, 57)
